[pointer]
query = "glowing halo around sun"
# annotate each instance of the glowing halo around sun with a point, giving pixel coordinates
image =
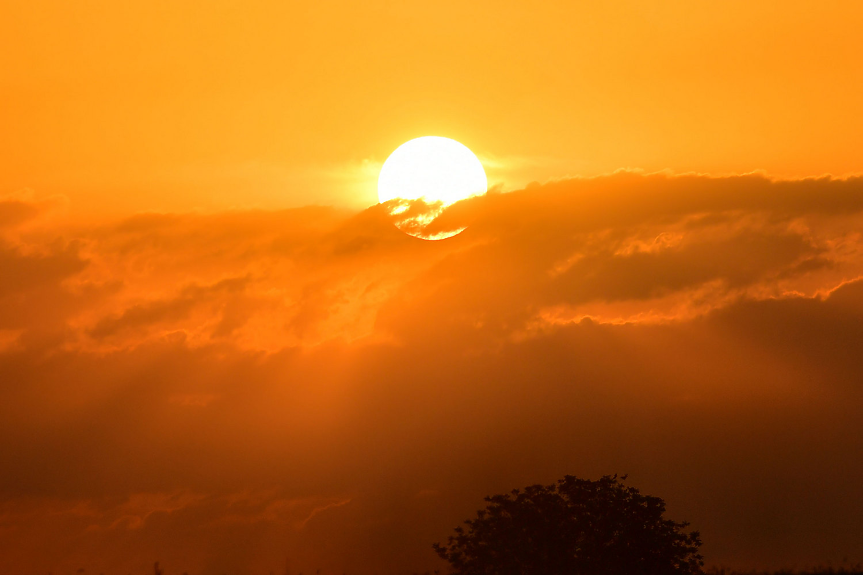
(425, 175)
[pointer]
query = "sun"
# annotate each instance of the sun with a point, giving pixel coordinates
(425, 175)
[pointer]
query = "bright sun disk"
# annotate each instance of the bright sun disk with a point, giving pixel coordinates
(439, 171)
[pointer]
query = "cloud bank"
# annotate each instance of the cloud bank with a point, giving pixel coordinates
(229, 392)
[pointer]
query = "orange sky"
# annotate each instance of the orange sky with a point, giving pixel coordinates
(178, 105)
(217, 352)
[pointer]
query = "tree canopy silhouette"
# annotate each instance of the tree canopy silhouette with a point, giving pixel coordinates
(575, 527)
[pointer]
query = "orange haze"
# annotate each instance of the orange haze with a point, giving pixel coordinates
(215, 354)
(223, 391)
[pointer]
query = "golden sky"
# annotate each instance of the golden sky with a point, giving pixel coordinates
(217, 352)
(152, 105)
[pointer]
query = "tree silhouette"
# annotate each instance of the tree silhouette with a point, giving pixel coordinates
(576, 527)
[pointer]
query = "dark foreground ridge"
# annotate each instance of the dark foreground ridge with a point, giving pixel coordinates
(849, 570)
(845, 570)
